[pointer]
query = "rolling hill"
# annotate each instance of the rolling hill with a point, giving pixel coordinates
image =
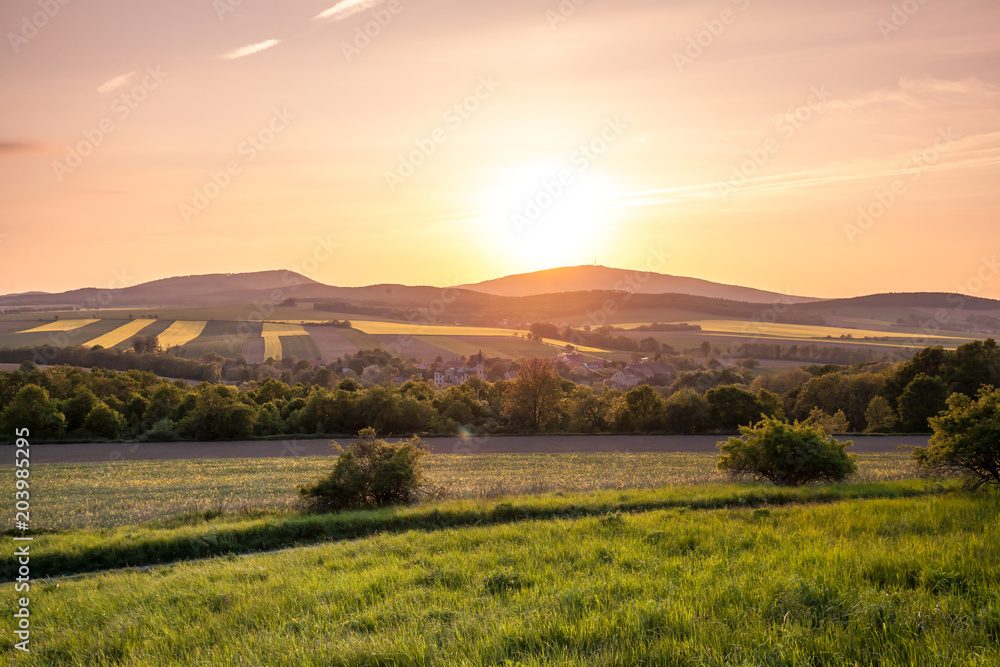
(602, 278)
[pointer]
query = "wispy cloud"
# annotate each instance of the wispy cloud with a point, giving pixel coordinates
(345, 8)
(981, 157)
(15, 147)
(117, 82)
(250, 49)
(916, 93)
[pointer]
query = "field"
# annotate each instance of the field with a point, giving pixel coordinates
(879, 574)
(100, 495)
(195, 331)
(180, 333)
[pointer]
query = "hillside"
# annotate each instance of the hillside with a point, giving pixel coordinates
(602, 278)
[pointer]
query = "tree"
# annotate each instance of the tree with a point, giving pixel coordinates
(146, 344)
(879, 416)
(105, 422)
(532, 400)
(966, 440)
(835, 423)
(733, 407)
(786, 454)
(923, 398)
(33, 409)
(645, 408)
(371, 473)
(687, 411)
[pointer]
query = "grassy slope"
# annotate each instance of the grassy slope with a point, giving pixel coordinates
(886, 582)
(191, 537)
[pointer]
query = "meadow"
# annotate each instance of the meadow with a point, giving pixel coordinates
(103, 495)
(898, 580)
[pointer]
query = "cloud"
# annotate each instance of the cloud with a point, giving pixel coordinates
(250, 49)
(961, 155)
(915, 93)
(15, 147)
(345, 8)
(117, 82)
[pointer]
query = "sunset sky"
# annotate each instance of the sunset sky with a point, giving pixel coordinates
(462, 141)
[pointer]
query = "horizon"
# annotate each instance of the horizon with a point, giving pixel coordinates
(472, 285)
(829, 152)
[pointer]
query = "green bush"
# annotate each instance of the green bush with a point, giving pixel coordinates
(966, 440)
(371, 473)
(786, 454)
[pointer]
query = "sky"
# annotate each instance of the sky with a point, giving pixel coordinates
(821, 149)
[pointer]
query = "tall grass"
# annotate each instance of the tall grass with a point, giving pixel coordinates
(888, 582)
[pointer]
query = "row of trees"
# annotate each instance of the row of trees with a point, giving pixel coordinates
(67, 402)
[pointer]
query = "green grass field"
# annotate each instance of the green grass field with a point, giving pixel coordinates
(875, 581)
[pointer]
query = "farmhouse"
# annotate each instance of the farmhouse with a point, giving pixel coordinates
(633, 374)
(453, 373)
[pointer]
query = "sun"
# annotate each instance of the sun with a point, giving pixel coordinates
(552, 214)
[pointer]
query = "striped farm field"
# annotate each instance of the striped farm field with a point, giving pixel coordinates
(273, 333)
(180, 333)
(60, 325)
(120, 334)
(300, 347)
(420, 329)
(804, 331)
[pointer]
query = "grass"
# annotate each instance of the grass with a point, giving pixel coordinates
(102, 495)
(891, 582)
(209, 534)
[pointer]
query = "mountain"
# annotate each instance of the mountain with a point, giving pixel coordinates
(602, 278)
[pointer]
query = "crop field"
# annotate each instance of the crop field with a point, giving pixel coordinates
(99, 495)
(59, 325)
(225, 338)
(411, 329)
(181, 332)
(300, 347)
(888, 575)
(331, 342)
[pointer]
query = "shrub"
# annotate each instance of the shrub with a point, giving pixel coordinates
(786, 454)
(371, 473)
(966, 440)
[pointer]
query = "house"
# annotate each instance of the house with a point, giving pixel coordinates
(625, 377)
(452, 373)
(633, 374)
(510, 375)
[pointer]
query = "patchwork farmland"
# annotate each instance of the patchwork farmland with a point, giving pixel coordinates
(188, 332)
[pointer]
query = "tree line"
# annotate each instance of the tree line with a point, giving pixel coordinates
(66, 402)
